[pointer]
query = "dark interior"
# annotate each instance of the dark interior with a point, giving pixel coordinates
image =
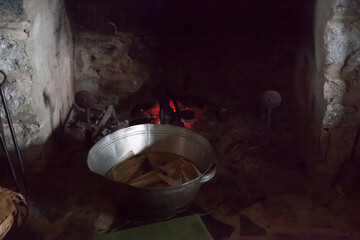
(206, 67)
(237, 48)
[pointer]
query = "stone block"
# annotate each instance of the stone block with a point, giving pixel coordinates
(13, 55)
(350, 72)
(11, 10)
(334, 89)
(341, 39)
(28, 135)
(116, 72)
(347, 6)
(14, 98)
(337, 115)
(17, 92)
(16, 30)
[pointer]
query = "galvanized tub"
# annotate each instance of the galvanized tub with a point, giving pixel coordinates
(154, 203)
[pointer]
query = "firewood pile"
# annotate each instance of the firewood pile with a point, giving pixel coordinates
(10, 204)
(153, 169)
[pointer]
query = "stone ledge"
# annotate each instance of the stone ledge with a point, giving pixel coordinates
(17, 30)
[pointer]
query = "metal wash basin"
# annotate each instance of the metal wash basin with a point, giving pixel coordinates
(154, 203)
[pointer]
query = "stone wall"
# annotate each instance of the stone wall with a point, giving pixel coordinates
(341, 61)
(111, 66)
(36, 52)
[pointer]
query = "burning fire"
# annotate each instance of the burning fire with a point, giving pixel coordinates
(172, 105)
(154, 114)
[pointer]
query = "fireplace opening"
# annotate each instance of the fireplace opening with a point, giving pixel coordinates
(264, 94)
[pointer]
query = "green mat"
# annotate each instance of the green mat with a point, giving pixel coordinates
(189, 227)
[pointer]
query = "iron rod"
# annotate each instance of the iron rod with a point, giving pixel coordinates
(3, 146)
(13, 136)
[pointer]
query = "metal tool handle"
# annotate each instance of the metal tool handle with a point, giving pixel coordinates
(13, 136)
(209, 174)
(4, 76)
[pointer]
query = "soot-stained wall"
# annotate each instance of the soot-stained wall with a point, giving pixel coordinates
(239, 47)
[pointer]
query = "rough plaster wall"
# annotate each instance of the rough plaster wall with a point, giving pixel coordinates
(315, 149)
(36, 52)
(341, 92)
(51, 50)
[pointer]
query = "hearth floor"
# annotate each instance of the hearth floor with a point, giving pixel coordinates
(261, 191)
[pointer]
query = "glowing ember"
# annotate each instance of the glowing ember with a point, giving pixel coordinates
(154, 114)
(172, 105)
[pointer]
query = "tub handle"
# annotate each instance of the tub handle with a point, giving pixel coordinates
(209, 174)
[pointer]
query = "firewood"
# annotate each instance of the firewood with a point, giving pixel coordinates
(126, 167)
(145, 180)
(157, 159)
(153, 169)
